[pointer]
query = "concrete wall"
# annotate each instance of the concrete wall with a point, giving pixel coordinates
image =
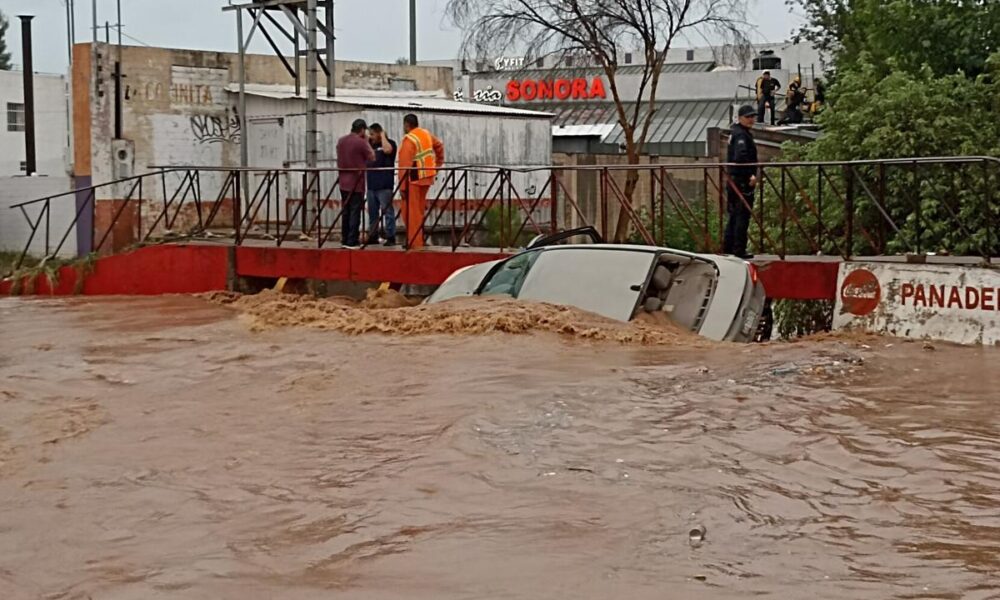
(51, 124)
(176, 110)
(15, 229)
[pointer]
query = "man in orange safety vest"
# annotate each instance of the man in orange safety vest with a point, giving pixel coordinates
(420, 156)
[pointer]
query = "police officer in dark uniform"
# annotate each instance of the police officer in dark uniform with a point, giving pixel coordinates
(741, 183)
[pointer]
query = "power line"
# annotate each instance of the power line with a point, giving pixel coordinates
(135, 39)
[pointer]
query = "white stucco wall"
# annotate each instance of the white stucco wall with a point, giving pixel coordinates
(51, 124)
(15, 229)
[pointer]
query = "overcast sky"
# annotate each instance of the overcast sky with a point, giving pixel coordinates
(370, 30)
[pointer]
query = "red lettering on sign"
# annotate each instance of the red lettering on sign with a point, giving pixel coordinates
(920, 296)
(860, 293)
(597, 88)
(955, 298)
(562, 89)
(513, 90)
(906, 292)
(937, 296)
(987, 299)
(544, 90)
(529, 89)
(971, 298)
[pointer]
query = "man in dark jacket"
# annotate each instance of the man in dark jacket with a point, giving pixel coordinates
(766, 86)
(741, 183)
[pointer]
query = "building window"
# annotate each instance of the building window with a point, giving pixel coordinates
(690, 54)
(540, 63)
(628, 58)
(24, 167)
(15, 117)
(568, 61)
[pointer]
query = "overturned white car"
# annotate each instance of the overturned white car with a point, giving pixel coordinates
(718, 297)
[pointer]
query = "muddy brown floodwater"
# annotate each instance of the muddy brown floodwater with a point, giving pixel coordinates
(167, 448)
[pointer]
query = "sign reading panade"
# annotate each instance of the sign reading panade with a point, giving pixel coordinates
(555, 89)
(944, 302)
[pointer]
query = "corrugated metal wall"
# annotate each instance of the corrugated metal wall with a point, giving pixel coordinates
(470, 139)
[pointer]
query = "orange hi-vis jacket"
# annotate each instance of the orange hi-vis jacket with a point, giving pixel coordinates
(422, 151)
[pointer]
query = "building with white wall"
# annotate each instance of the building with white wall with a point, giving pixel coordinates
(698, 89)
(51, 124)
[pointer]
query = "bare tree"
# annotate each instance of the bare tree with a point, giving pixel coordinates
(601, 29)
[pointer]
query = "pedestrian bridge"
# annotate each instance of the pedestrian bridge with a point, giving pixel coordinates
(193, 229)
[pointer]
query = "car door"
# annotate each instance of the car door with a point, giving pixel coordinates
(606, 281)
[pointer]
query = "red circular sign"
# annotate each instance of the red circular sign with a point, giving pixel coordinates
(860, 293)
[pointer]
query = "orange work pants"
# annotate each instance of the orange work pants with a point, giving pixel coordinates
(414, 207)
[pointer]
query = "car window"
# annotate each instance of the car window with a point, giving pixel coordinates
(462, 283)
(601, 280)
(509, 277)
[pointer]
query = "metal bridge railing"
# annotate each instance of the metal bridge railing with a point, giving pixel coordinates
(844, 208)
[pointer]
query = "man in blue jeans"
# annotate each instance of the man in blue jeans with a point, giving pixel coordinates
(381, 185)
(353, 155)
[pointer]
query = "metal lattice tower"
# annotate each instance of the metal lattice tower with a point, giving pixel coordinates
(297, 21)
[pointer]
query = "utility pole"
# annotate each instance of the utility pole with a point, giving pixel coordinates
(70, 40)
(413, 32)
(119, 88)
(29, 97)
(312, 129)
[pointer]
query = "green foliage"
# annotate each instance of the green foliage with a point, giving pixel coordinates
(27, 276)
(920, 209)
(4, 54)
(683, 230)
(946, 36)
(794, 318)
(913, 78)
(8, 260)
(501, 225)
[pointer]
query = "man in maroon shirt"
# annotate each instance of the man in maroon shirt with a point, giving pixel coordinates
(353, 154)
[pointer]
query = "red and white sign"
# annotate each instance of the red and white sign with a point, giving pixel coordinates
(527, 90)
(944, 302)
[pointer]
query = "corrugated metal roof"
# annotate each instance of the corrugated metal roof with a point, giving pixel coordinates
(574, 72)
(600, 130)
(675, 121)
(382, 99)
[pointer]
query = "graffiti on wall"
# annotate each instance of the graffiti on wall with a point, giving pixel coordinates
(213, 129)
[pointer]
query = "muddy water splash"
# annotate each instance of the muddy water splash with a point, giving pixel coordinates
(157, 448)
(466, 316)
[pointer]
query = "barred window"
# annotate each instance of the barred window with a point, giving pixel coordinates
(15, 117)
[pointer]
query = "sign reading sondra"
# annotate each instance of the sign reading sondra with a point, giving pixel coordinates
(941, 302)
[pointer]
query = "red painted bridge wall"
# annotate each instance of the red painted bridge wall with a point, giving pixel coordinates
(144, 272)
(189, 269)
